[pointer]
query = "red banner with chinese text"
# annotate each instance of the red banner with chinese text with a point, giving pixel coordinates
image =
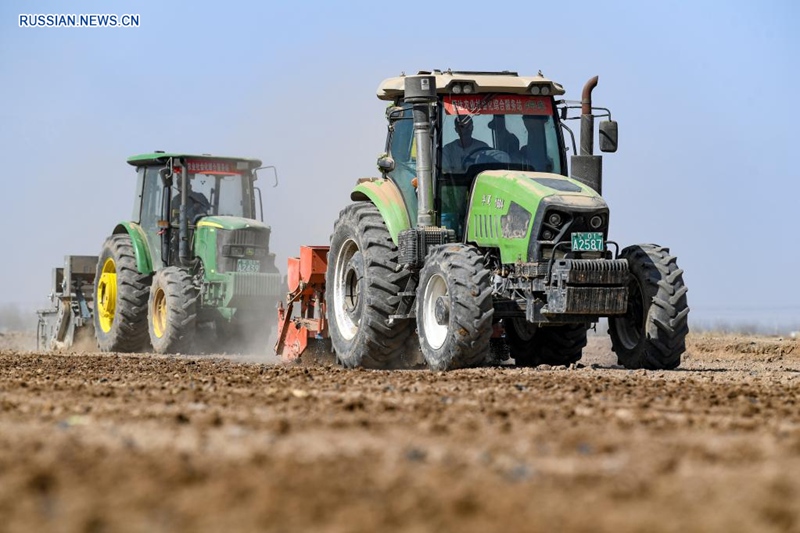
(209, 166)
(502, 104)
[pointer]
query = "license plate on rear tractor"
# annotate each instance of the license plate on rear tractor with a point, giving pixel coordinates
(248, 265)
(588, 242)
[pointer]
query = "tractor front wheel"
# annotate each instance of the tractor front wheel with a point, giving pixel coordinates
(172, 311)
(652, 334)
(363, 286)
(120, 296)
(454, 308)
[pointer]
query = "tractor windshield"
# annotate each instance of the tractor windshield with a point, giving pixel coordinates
(226, 194)
(492, 131)
(504, 131)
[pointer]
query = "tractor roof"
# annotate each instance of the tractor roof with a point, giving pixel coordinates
(483, 82)
(155, 158)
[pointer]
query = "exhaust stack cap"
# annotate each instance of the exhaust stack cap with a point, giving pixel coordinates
(420, 89)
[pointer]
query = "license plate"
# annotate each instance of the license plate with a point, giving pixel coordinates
(588, 242)
(248, 265)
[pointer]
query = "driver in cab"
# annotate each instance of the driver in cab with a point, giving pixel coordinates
(454, 153)
(197, 205)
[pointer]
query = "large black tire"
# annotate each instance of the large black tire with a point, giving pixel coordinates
(454, 308)
(172, 311)
(120, 296)
(362, 289)
(519, 335)
(652, 334)
(547, 345)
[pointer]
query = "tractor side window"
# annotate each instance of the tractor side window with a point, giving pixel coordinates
(151, 210)
(403, 150)
(151, 197)
(137, 203)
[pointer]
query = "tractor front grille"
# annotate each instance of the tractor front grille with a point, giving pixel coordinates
(246, 245)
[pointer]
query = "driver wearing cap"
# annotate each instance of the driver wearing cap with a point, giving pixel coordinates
(454, 153)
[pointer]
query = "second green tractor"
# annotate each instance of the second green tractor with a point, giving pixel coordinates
(192, 270)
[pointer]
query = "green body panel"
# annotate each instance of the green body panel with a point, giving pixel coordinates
(387, 198)
(141, 247)
(155, 158)
(492, 195)
(230, 292)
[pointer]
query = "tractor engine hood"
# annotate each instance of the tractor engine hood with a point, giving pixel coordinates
(507, 208)
(230, 223)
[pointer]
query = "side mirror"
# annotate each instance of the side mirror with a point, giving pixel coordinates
(385, 164)
(608, 136)
(394, 113)
(274, 170)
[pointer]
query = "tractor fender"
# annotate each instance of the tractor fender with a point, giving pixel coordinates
(387, 198)
(144, 263)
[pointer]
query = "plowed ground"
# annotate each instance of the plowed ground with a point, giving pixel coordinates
(98, 442)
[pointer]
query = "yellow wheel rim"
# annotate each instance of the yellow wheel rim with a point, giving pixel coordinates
(107, 295)
(159, 312)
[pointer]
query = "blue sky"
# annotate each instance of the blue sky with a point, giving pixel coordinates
(703, 91)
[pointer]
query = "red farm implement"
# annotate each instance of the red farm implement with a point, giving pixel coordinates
(306, 281)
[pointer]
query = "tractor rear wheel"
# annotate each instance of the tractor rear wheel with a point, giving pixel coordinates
(120, 296)
(362, 289)
(172, 311)
(454, 308)
(652, 334)
(548, 345)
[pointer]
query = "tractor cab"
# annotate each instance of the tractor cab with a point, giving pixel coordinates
(199, 187)
(481, 121)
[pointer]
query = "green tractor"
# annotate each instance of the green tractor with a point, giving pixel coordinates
(477, 230)
(193, 260)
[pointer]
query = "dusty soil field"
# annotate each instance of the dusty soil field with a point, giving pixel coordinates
(93, 442)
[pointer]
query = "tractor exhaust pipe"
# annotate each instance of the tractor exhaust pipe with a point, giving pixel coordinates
(587, 120)
(586, 167)
(420, 92)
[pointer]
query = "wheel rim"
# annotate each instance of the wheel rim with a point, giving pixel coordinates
(435, 333)
(159, 312)
(630, 327)
(107, 295)
(346, 291)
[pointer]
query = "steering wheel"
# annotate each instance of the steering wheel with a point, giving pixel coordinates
(499, 156)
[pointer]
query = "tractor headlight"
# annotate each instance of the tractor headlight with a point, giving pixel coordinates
(468, 89)
(547, 235)
(456, 89)
(545, 90)
(554, 219)
(536, 90)
(596, 221)
(237, 251)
